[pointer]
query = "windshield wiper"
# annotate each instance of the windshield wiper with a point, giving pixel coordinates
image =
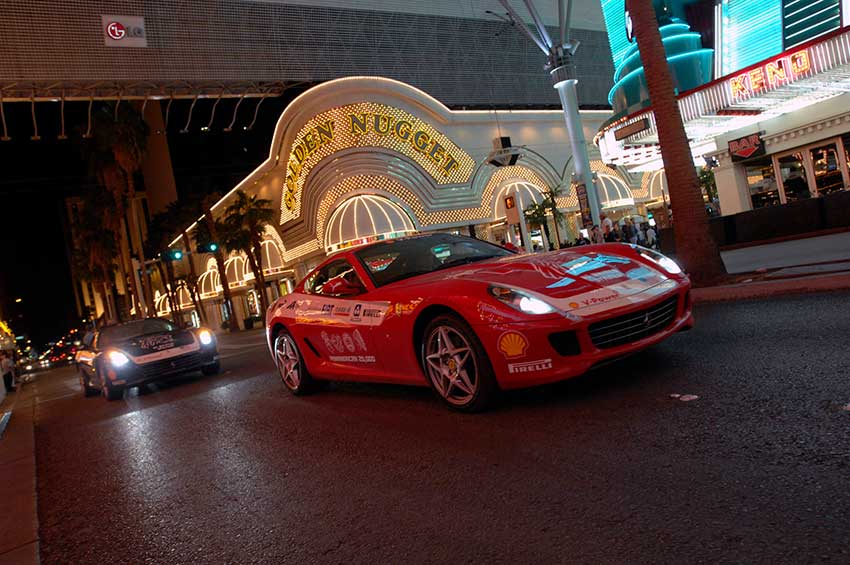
(465, 261)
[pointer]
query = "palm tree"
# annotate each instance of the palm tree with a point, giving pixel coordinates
(115, 152)
(245, 221)
(209, 231)
(160, 233)
(537, 215)
(695, 247)
(95, 250)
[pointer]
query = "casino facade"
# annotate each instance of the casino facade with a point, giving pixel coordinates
(764, 93)
(362, 159)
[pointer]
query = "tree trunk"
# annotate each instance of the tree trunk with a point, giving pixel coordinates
(191, 285)
(259, 281)
(164, 273)
(232, 324)
(127, 270)
(109, 299)
(259, 277)
(695, 247)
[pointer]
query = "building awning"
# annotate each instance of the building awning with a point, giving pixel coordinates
(797, 78)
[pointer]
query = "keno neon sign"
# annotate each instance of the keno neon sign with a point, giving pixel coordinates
(779, 71)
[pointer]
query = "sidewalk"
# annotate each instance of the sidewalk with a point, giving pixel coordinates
(812, 251)
(19, 515)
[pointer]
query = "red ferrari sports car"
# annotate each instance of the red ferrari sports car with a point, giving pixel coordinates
(469, 318)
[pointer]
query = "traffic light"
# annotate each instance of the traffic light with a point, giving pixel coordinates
(173, 255)
(210, 247)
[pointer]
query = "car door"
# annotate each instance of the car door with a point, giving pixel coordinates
(335, 319)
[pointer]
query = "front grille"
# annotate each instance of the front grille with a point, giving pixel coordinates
(565, 343)
(172, 365)
(633, 326)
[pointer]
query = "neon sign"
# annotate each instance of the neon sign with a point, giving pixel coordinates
(783, 70)
(372, 125)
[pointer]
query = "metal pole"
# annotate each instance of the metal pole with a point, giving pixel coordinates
(523, 227)
(569, 101)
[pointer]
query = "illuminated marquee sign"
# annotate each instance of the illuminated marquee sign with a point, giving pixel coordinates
(371, 125)
(746, 147)
(768, 75)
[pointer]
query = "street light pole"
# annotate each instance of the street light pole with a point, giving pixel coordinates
(562, 70)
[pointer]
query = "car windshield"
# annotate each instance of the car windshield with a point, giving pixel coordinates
(116, 334)
(399, 259)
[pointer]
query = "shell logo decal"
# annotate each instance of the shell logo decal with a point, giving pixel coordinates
(512, 344)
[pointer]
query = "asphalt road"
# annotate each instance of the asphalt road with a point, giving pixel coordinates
(604, 469)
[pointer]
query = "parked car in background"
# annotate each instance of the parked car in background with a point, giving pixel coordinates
(133, 353)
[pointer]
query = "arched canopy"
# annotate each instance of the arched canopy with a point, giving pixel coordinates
(658, 186)
(272, 257)
(613, 192)
(236, 271)
(365, 218)
(525, 193)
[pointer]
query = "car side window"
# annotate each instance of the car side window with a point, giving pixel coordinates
(337, 278)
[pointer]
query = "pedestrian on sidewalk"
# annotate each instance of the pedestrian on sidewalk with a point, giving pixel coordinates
(650, 237)
(6, 368)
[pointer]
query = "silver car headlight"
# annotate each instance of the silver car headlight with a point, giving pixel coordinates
(519, 300)
(117, 359)
(659, 259)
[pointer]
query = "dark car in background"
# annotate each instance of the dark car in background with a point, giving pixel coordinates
(121, 356)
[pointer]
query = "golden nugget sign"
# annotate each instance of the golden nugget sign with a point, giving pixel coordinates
(779, 71)
(372, 125)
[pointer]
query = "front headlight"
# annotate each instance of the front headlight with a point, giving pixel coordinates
(659, 259)
(205, 337)
(117, 359)
(519, 300)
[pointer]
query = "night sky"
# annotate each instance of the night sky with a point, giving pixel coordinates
(38, 175)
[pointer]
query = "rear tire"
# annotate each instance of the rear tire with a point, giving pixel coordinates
(290, 365)
(112, 393)
(456, 365)
(213, 369)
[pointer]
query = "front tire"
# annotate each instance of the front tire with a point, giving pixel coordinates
(88, 390)
(290, 365)
(457, 365)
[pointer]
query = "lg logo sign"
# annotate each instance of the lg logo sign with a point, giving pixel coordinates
(124, 31)
(116, 31)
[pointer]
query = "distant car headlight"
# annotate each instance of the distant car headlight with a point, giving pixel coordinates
(29, 367)
(519, 300)
(659, 259)
(117, 359)
(205, 337)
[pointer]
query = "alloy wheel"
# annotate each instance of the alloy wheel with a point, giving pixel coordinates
(451, 366)
(288, 361)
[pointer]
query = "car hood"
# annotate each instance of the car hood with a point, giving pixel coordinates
(581, 279)
(152, 343)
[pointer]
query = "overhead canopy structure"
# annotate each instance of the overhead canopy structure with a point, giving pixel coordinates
(795, 79)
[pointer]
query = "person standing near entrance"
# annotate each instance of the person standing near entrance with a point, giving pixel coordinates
(6, 367)
(607, 226)
(650, 237)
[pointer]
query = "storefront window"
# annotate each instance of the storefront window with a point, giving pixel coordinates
(827, 169)
(794, 177)
(762, 182)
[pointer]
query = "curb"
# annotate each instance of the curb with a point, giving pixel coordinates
(763, 289)
(19, 542)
